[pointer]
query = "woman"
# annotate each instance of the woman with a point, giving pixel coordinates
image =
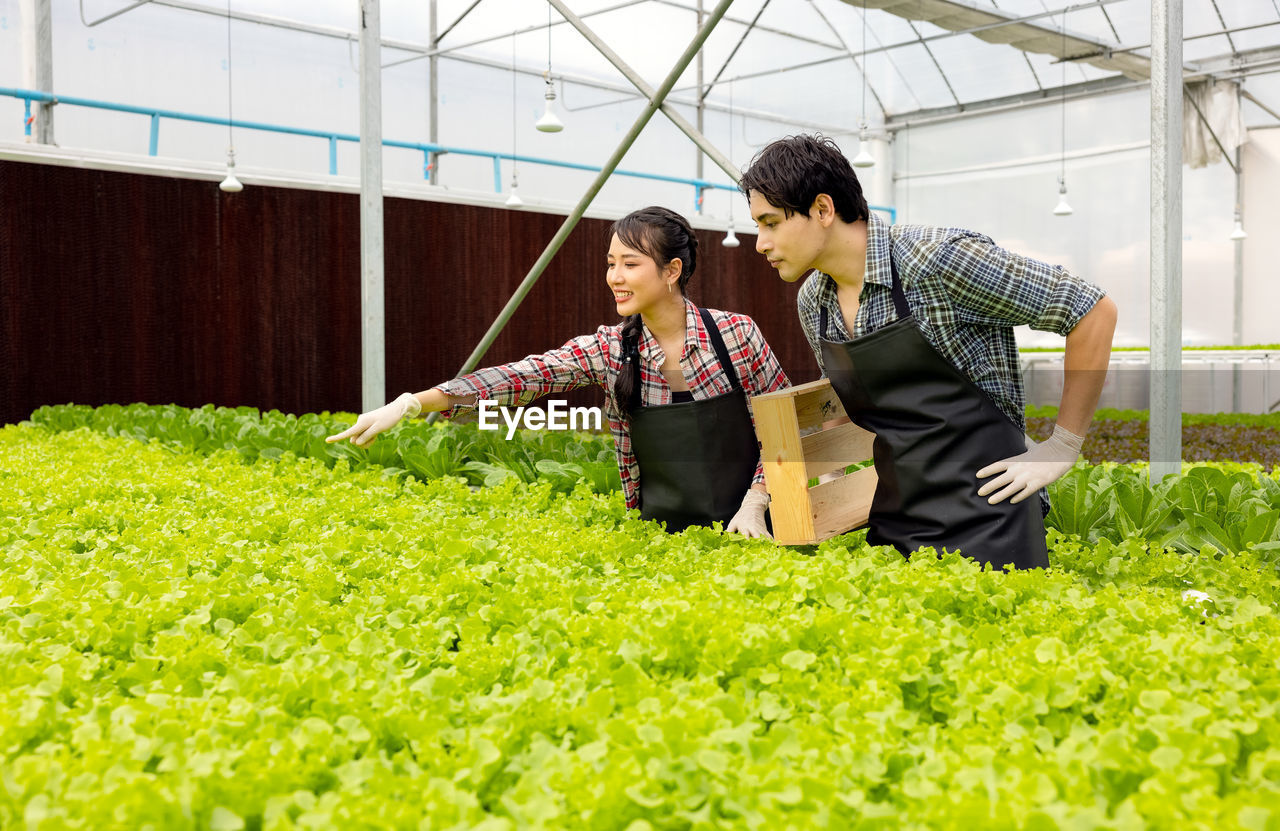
(676, 379)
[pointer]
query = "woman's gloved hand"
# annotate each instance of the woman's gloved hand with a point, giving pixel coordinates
(370, 424)
(1043, 463)
(749, 520)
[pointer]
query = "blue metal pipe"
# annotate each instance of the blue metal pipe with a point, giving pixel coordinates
(30, 95)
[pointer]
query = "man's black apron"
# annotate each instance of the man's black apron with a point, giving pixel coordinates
(935, 429)
(697, 458)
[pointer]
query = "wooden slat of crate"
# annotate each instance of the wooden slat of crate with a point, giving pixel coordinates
(835, 448)
(816, 403)
(785, 474)
(804, 433)
(842, 504)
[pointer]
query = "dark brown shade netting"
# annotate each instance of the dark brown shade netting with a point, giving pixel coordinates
(122, 288)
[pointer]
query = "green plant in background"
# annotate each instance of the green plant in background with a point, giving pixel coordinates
(483, 458)
(1221, 506)
(1226, 508)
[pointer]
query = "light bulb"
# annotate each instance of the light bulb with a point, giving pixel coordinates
(514, 200)
(549, 123)
(1062, 208)
(730, 239)
(1238, 232)
(864, 158)
(231, 184)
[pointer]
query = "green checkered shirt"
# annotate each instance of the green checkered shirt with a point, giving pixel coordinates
(966, 293)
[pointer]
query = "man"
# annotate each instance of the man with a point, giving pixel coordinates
(913, 326)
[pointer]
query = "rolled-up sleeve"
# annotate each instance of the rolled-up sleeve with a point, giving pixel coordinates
(993, 286)
(581, 362)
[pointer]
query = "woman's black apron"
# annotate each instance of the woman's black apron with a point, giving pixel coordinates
(935, 429)
(697, 458)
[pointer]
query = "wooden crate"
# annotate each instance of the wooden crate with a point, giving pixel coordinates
(804, 434)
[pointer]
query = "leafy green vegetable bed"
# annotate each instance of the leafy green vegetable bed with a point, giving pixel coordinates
(189, 641)
(413, 448)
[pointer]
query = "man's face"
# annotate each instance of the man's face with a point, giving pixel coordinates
(790, 243)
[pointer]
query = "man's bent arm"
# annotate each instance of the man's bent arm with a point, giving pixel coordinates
(1085, 361)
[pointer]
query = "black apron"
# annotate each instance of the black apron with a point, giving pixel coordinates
(697, 458)
(935, 429)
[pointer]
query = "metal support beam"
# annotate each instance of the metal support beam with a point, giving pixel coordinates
(1237, 314)
(1166, 239)
(433, 95)
(655, 102)
(704, 92)
(1260, 105)
(859, 65)
(373, 347)
(37, 62)
(435, 39)
(90, 24)
(1237, 297)
(702, 108)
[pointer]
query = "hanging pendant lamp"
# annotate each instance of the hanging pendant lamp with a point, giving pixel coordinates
(549, 122)
(730, 238)
(514, 200)
(1062, 208)
(864, 159)
(230, 184)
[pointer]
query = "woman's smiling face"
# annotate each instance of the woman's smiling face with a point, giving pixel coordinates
(635, 279)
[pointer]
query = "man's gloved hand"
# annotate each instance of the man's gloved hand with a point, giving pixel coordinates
(1044, 462)
(749, 520)
(370, 424)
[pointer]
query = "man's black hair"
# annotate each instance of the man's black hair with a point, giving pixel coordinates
(792, 171)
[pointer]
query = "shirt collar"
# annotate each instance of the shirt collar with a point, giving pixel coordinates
(878, 270)
(879, 241)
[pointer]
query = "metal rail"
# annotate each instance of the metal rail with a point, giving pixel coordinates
(427, 148)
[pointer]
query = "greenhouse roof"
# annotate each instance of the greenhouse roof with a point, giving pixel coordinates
(815, 63)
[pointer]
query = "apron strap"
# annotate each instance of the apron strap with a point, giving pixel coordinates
(631, 356)
(899, 297)
(717, 342)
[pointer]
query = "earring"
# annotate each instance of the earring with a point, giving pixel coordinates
(669, 291)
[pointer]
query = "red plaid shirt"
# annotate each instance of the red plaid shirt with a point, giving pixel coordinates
(597, 359)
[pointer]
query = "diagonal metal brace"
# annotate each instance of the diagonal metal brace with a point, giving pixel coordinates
(639, 83)
(655, 102)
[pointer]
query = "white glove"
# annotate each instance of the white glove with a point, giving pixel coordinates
(1021, 476)
(370, 424)
(749, 520)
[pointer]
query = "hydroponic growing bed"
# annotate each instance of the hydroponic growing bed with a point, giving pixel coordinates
(221, 631)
